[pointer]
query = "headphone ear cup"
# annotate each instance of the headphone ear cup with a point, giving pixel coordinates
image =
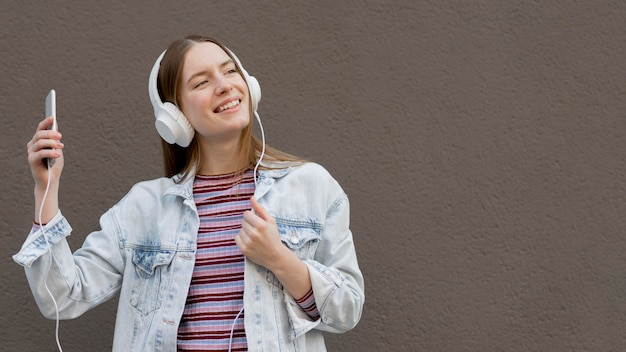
(173, 126)
(255, 91)
(171, 123)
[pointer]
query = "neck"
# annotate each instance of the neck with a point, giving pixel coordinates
(221, 158)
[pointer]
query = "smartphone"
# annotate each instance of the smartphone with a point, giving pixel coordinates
(51, 110)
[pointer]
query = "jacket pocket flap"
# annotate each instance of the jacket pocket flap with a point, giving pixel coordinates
(297, 236)
(149, 260)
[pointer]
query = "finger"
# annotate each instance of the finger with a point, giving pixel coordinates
(260, 210)
(47, 134)
(45, 123)
(238, 241)
(246, 229)
(39, 158)
(45, 146)
(41, 149)
(44, 139)
(44, 132)
(252, 219)
(45, 153)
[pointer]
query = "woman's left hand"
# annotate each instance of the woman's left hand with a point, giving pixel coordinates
(259, 239)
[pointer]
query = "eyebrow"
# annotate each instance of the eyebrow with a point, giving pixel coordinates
(204, 72)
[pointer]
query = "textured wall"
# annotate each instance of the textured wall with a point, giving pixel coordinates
(481, 144)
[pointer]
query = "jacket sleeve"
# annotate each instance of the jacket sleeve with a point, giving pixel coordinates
(335, 275)
(336, 279)
(79, 281)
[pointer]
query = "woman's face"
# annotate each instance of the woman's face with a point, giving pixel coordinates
(213, 95)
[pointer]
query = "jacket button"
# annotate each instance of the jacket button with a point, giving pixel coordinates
(294, 238)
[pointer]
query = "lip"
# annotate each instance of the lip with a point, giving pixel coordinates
(224, 102)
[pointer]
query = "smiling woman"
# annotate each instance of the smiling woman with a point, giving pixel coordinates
(214, 256)
(209, 97)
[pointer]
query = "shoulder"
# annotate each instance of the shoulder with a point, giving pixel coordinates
(312, 177)
(145, 200)
(149, 190)
(305, 193)
(301, 172)
(310, 169)
(157, 186)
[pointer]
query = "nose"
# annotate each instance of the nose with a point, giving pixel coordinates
(222, 85)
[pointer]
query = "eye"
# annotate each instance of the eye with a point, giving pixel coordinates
(200, 84)
(231, 69)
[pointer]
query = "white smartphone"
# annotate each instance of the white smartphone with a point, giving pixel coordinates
(51, 110)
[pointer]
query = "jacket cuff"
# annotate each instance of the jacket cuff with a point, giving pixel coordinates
(41, 238)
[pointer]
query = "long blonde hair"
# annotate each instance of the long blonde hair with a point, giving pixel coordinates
(181, 160)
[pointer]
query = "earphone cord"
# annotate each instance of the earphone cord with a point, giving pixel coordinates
(43, 232)
(256, 167)
(262, 150)
(232, 330)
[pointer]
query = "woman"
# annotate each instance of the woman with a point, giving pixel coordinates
(237, 248)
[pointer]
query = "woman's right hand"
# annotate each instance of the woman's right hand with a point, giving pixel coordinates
(45, 144)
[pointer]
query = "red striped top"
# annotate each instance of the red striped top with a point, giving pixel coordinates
(216, 292)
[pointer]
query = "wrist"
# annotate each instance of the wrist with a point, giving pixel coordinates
(40, 191)
(284, 261)
(293, 273)
(46, 207)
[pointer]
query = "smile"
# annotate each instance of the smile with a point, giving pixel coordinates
(230, 105)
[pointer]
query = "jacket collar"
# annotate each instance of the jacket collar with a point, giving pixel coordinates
(265, 178)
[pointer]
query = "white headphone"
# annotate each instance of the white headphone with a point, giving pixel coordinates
(171, 123)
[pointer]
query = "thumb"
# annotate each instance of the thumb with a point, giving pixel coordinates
(259, 209)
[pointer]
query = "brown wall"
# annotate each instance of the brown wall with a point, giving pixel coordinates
(481, 144)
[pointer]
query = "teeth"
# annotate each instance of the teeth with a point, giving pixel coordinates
(230, 105)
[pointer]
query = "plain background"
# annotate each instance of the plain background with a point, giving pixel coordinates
(481, 144)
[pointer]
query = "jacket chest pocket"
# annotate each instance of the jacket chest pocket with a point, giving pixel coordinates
(301, 239)
(150, 279)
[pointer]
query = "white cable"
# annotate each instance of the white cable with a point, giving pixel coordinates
(45, 277)
(232, 327)
(262, 150)
(232, 330)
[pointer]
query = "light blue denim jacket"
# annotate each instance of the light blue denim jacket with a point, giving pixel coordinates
(145, 250)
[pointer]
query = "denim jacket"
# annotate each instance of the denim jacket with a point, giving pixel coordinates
(145, 250)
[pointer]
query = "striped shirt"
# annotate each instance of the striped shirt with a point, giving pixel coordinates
(214, 307)
(216, 292)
